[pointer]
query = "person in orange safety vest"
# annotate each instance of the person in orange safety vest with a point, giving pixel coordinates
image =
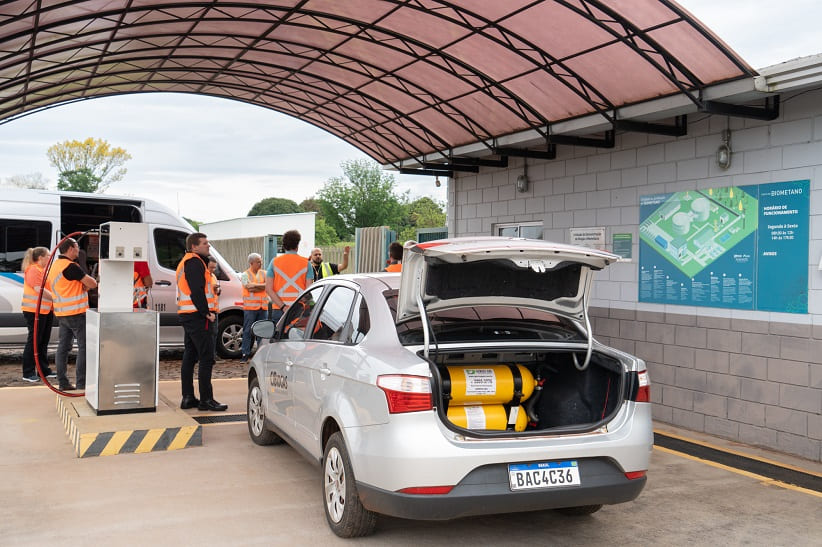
(395, 257)
(69, 287)
(287, 275)
(34, 267)
(195, 301)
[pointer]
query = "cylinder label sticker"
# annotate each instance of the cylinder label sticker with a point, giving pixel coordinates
(474, 417)
(480, 381)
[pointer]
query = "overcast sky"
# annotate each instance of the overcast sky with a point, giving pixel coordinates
(212, 159)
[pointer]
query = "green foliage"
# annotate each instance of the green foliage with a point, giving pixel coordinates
(78, 180)
(311, 205)
(274, 206)
(364, 196)
(421, 213)
(323, 233)
(194, 223)
(87, 166)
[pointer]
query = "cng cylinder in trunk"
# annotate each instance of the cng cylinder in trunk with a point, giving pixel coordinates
(486, 417)
(487, 384)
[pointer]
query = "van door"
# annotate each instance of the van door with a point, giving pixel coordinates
(167, 249)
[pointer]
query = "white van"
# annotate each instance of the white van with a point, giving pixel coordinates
(30, 218)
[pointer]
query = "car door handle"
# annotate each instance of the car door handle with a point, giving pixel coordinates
(288, 364)
(325, 371)
(163, 283)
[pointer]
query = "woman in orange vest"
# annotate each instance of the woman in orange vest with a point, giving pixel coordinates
(34, 266)
(254, 301)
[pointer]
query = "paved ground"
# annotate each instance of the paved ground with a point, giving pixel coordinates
(232, 492)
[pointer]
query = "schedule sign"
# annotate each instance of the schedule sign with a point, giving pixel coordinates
(742, 247)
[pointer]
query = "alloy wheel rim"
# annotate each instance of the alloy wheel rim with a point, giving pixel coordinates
(334, 485)
(255, 410)
(233, 338)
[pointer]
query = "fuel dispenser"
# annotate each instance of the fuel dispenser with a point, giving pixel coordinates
(122, 343)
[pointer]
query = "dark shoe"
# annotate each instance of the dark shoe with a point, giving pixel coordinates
(50, 374)
(244, 359)
(189, 402)
(211, 404)
(33, 378)
(66, 387)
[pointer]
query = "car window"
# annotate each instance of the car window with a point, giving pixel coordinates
(170, 246)
(333, 316)
(296, 318)
(360, 321)
(16, 236)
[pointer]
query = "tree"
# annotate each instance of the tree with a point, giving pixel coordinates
(365, 196)
(79, 180)
(323, 233)
(30, 180)
(87, 166)
(422, 213)
(274, 206)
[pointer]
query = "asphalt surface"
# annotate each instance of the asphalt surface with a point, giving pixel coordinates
(233, 492)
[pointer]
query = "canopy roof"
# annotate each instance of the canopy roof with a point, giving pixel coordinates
(398, 79)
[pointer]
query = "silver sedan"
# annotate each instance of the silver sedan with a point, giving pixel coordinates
(468, 384)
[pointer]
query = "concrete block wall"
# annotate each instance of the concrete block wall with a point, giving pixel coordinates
(750, 376)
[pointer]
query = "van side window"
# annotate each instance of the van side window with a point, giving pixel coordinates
(170, 246)
(16, 236)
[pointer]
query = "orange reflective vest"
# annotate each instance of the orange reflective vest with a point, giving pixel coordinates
(70, 297)
(184, 302)
(394, 268)
(289, 276)
(254, 300)
(30, 295)
(214, 301)
(140, 291)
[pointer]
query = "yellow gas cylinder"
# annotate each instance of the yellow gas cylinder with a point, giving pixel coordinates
(487, 385)
(486, 417)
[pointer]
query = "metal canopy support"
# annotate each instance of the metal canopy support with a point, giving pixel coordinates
(482, 162)
(605, 142)
(426, 172)
(768, 113)
(450, 167)
(679, 128)
(549, 154)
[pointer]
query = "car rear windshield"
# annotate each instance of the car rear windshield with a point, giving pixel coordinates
(486, 324)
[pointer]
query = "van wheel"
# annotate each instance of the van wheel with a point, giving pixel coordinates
(230, 337)
(345, 514)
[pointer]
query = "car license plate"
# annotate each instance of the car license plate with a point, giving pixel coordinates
(525, 476)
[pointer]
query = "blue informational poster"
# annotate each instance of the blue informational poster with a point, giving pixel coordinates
(742, 247)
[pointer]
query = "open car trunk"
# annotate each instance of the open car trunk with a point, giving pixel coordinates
(499, 393)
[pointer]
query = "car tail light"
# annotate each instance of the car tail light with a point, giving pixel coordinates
(406, 393)
(631, 475)
(427, 490)
(643, 394)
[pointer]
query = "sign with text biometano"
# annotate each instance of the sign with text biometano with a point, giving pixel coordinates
(741, 247)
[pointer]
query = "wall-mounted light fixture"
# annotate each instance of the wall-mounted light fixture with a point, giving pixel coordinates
(437, 182)
(522, 180)
(723, 153)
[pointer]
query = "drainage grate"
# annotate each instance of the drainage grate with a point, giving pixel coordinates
(219, 418)
(772, 471)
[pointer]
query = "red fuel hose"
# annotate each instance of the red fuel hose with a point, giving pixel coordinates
(37, 364)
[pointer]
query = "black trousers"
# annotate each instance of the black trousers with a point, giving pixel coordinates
(44, 324)
(199, 347)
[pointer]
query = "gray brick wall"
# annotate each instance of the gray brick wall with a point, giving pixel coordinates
(755, 377)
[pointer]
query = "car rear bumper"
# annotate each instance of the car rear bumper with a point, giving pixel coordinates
(486, 491)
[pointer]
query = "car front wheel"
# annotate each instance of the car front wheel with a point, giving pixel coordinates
(580, 511)
(256, 416)
(345, 514)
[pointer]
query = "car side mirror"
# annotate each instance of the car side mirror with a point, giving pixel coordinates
(264, 328)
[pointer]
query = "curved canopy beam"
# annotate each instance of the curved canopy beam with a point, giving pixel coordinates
(398, 79)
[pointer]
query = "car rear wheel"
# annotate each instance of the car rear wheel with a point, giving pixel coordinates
(582, 510)
(230, 336)
(256, 416)
(345, 514)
